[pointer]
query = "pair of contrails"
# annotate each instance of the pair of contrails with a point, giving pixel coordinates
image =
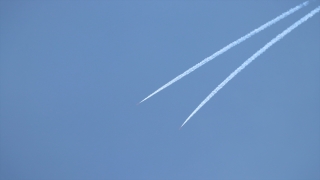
(248, 61)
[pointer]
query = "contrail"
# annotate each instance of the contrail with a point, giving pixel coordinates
(253, 57)
(226, 48)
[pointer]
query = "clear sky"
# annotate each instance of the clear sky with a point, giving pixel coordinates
(72, 72)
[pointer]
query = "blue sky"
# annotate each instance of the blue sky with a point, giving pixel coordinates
(72, 72)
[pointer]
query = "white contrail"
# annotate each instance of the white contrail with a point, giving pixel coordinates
(253, 57)
(226, 48)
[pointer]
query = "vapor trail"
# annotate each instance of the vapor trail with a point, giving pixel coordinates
(226, 48)
(253, 57)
